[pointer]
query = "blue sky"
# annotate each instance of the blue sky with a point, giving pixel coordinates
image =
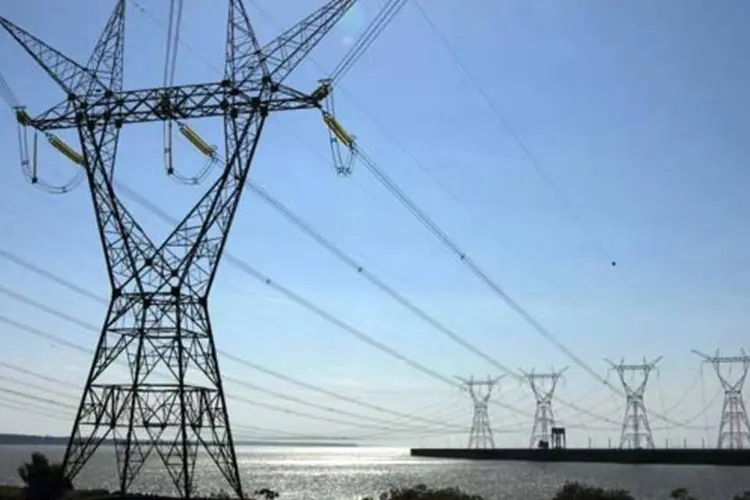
(634, 110)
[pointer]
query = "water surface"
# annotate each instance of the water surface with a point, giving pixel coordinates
(351, 473)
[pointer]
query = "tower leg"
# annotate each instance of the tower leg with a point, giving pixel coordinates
(734, 431)
(489, 439)
(171, 402)
(544, 420)
(154, 384)
(646, 427)
(480, 435)
(744, 423)
(624, 436)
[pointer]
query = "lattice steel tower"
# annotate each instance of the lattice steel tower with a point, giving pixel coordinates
(543, 386)
(636, 431)
(158, 315)
(480, 434)
(734, 430)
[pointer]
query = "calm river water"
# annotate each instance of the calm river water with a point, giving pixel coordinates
(351, 473)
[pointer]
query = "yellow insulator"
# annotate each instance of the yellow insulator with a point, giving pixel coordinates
(202, 146)
(63, 147)
(23, 117)
(341, 134)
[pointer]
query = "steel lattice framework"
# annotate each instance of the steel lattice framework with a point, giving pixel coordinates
(636, 430)
(734, 430)
(543, 386)
(158, 315)
(480, 434)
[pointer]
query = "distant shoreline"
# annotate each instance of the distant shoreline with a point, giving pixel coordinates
(32, 440)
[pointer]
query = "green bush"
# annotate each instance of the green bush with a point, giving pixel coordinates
(44, 481)
(681, 494)
(422, 492)
(569, 491)
(578, 491)
(267, 494)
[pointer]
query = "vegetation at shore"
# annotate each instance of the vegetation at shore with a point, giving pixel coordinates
(45, 481)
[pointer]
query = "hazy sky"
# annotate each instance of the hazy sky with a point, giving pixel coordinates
(636, 111)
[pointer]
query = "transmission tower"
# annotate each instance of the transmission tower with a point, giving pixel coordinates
(636, 431)
(543, 386)
(734, 430)
(480, 435)
(158, 315)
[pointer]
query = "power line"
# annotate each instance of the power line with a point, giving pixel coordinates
(187, 260)
(48, 275)
(87, 326)
(75, 288)
(30, 385)
(57, 381)
(563, 201)
(56, 404)
(366, 39)
(383, 129)
(30, 407)
(545, 176)
(530, 156)
(320, 390)
(6, 93)
(25, 371)
(282, 292)
(307, 229)
(310, 306)
(424, 219)
(53, 402)
(315, 235)
(311, 404)
(466, 260)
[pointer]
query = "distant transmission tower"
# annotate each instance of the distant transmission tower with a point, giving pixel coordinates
(158, 320)
(480, 435)
(636, 430)
(734, 430)
(543, 385)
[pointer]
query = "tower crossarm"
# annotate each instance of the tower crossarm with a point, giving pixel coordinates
(183, 102)
(71, 76)
(644, 368)
(633, 368)
(742, 359)
(470, 384)
(718, 360)
(127, 245)
(728, 359)
(543, 385)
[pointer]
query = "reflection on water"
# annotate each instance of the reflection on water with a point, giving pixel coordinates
(351, 473)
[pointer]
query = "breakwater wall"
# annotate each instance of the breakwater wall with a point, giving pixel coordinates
(601, 455)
